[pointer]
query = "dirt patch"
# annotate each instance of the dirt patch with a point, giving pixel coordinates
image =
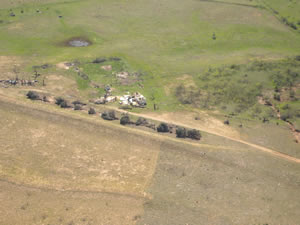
(62, 65)
(106, 67)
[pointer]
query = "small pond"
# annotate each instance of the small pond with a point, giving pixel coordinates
(78, 43)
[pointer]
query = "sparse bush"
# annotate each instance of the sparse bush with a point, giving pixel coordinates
(163, 127)
(141, 122)
(194, 134)
(92, 111)
(33, 95)
(125, 120)
(181, 132)
(226, 122)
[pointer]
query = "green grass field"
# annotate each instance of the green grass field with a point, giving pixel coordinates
(161, 39)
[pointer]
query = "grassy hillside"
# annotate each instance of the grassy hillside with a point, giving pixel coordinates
(161, 40)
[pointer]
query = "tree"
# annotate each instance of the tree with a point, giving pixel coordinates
(33, 95)
(59, 100)
(194, 134)
(181, 132)
(214, 36)
(163, 127)
(125, 120)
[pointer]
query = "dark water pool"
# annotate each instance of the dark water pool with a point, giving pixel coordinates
(79, 43)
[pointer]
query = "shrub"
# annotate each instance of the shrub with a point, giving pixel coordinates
(194, 134)
(92, 111)
(285, 116)
(141, 122)
(277, 96)
(214, 36)
(163, 127)
(181, 132)
(109, 115)
(33, 95)
(62, 103)
(125, 120)
(226, 122)
(99, 60)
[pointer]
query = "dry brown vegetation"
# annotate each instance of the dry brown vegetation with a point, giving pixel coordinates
(64, 167)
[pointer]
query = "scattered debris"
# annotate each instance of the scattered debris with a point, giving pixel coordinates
(110, 99)
(14, 82)
(107, 90)
(136, 100)
(122, 75)
(100, 101)
(106, 67)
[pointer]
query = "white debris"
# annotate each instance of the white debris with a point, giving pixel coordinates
(136, 99)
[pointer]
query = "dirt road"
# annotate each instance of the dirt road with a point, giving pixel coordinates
(261, 148)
